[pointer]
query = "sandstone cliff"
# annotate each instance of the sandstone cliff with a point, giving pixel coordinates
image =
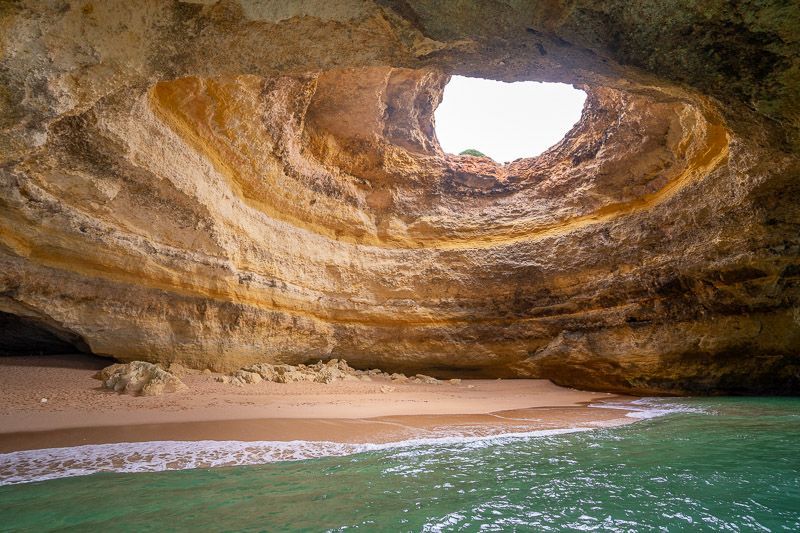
(218, 184)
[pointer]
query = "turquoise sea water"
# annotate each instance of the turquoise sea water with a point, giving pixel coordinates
(730, 464)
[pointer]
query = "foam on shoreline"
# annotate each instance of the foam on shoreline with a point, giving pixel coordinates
(155, 456)
(28, 466)
(647, 408)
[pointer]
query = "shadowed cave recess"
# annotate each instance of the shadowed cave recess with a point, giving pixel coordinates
(24, 336)
(222, 183)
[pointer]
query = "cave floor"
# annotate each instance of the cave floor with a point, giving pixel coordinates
(78, 411)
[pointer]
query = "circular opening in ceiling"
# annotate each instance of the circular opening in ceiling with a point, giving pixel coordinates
(505, 121)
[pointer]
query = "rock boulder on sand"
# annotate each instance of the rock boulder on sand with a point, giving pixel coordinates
(319, 372)
(244, 377)
(139, 378)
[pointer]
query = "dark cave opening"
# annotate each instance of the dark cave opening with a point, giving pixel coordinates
(31, 336)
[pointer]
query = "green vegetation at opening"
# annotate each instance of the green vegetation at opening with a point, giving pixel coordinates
(472, 152)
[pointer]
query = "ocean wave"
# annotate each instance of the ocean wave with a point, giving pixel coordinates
(647, 408)
(155, 456)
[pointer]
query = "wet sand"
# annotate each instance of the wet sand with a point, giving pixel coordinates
(78, 411)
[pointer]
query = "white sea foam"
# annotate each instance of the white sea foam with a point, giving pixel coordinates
(646, 408)
(155, 456)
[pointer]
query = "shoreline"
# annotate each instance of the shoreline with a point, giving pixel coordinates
(78, 412)
(76, 460)
(375, 430)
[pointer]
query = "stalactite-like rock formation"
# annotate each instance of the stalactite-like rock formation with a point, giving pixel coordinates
(223, 183)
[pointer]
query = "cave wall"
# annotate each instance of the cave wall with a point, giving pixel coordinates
(219, 183)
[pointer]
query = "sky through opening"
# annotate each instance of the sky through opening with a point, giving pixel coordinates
(505, 121)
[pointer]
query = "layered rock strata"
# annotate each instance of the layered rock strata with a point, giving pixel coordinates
(219, 184)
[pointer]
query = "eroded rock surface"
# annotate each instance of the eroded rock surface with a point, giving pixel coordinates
(140, 378)
(320, 372)
(220, 184)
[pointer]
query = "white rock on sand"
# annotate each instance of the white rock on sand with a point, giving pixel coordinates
(139, 378)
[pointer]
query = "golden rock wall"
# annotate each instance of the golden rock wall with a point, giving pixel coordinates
(221, 183)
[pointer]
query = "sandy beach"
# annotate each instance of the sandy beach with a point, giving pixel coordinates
(78, 411)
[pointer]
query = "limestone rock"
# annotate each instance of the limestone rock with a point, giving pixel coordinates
(172, 190)
(320, 372)
(428, 380)
(329, 375)
(265, 371)
(290, 374)
(180, 370)
(140, 378)
(242, 377)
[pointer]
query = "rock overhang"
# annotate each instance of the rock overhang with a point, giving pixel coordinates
(226, 208)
